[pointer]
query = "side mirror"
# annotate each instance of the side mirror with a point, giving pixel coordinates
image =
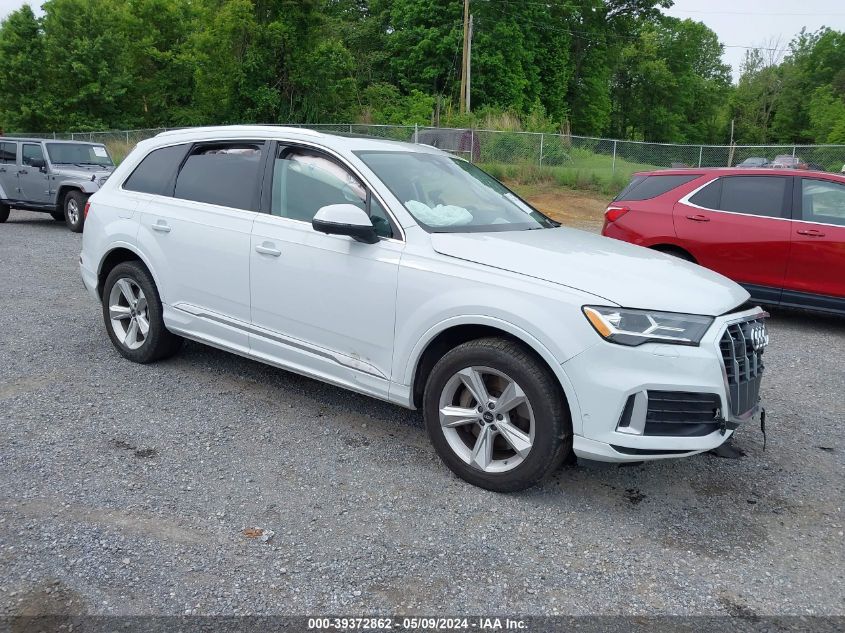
(345, 219)
(38, 163)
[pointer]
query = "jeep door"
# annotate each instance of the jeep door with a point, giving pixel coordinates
(197, 236)
(8, 170)
(323, 303)
(33, 179)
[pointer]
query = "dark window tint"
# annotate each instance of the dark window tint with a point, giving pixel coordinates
(755, 195)
(8, 152)
(823, 201)
(30, 153)
(155, 173)
(709, 196)
(635, 181)
(225, 174)
(645, 188)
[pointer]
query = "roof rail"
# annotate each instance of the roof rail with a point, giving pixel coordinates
(242, 128)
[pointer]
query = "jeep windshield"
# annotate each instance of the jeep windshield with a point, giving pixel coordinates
(450, 195)
(79, 154)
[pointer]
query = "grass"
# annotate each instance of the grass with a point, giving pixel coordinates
(587, 179)
(119, 149)
(585, 171)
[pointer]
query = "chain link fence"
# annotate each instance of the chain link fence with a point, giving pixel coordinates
(576, 161)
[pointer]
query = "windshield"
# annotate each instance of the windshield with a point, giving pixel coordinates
(79, 154)
(450, 195)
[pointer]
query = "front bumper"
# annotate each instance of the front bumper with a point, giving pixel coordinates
(606, 377)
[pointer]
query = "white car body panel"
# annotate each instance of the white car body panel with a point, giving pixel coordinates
(638, 277)
(330, 295)
(361, 315)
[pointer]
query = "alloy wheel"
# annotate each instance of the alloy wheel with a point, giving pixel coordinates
(72, 208)
(487, 419)
(129, 313)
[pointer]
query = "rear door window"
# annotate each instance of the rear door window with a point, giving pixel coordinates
(8, 153)
(709, 196)
(31, 153)
(751, 195)
(225, 174)
(648, 187)
(156, 172)
(754, 195)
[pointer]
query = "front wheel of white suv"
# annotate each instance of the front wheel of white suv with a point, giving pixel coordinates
(133, 315)
(496, 415)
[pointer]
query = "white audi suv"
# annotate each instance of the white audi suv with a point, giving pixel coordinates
(410, 275)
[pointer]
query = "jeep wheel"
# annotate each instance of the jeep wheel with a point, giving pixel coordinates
(4, 212)
(74, 206)
(496, 415)
(58, 216)
(133, 315)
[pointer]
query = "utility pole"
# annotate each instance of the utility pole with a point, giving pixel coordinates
(469, 64)
(731, 151)
(465, 57)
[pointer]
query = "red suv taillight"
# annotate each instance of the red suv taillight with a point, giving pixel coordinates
(85, 212)
(614, 213)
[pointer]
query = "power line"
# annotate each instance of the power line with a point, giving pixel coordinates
(552, 4)
(755, 13)
(605, 36)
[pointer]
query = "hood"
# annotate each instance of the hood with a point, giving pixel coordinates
(624, 274)
(82, 173)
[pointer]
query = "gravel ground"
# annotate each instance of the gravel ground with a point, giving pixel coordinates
(126, 489)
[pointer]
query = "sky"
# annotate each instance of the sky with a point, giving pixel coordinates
(738, 23)
(753, 23)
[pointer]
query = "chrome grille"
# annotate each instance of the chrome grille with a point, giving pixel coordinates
(743, 364)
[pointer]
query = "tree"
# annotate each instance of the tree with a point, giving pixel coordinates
(670, 83)
(826, 112)
(88, 55)
(25, 105)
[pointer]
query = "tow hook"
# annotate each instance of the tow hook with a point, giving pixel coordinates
(726, 425)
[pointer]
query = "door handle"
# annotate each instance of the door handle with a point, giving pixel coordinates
(698, 218)
(2, 170)
(23, 171)
(267, 249)
(810, 232)
(161, 226)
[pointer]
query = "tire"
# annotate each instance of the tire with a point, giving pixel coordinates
(58, 216)
(132, 278)
(74, 206)
(504, 366)
(4, 212)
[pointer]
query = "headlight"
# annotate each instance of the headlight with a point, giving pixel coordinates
(635, 327)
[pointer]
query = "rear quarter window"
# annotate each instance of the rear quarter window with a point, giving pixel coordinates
(647, 187)
(155, 173)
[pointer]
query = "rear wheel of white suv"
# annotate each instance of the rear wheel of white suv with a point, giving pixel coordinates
(496, 415)
(4, 212)
(133, 315)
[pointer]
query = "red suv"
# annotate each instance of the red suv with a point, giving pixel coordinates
(779, 233)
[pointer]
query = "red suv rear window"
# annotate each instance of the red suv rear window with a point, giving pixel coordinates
(647, 187)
